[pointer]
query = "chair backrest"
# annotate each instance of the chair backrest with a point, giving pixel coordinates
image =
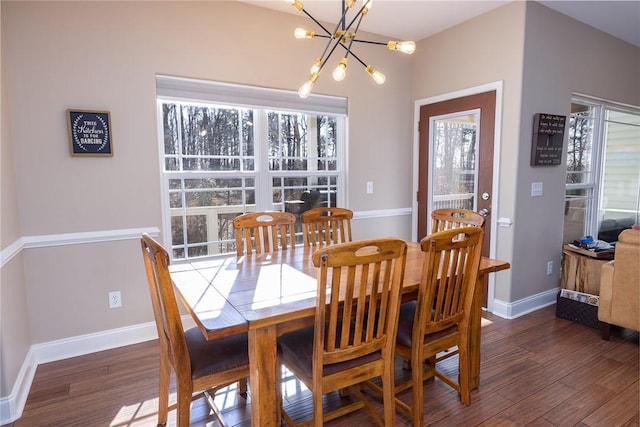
(326, 226)
(449, 273)
(264, 232)
(350, 324)
(444, 219)
(173, 343)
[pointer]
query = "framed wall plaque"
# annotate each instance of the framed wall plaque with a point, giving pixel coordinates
(89, 133)
(548, 134)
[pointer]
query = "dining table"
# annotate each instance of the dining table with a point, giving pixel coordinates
(269, 294)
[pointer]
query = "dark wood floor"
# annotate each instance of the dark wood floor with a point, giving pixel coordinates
(537, 370)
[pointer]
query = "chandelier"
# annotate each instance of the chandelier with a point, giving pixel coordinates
(344, 35)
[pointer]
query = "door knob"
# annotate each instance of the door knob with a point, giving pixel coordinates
(484, 212)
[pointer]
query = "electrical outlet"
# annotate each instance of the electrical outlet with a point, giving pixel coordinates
(115, 299)
(549, 268)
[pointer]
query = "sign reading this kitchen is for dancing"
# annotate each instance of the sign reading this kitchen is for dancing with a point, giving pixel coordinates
(89, 133)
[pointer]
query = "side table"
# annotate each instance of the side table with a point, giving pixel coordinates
(581, 269)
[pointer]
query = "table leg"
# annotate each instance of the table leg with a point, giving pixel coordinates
(264, 377)
(475, 330)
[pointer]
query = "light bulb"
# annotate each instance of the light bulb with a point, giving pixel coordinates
(295, 3)
(367, 6)
(315, 68)
(340, 71)
(305, 89)
(405, 47)
(377, 76)
(301, 33)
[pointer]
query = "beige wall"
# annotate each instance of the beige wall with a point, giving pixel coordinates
(484, 50)
(105, 55)
(541, 57)
(562, 56)
(15, 338)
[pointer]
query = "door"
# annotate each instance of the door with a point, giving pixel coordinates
(455, 161)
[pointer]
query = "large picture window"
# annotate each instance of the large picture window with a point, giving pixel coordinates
(222, 159)
(603, 170)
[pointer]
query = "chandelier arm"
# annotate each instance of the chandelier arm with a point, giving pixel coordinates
(367, 41)
(353, 54)
(317, 22)
(324, 59)
(359, 15)
(352, 38)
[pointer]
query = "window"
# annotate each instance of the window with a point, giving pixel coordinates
(229, 149)
(603, 170)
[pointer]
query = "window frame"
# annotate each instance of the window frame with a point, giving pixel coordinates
(598, 147)
(261, 101)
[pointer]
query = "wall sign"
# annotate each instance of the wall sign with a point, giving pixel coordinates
(548, 134)
(89, 133)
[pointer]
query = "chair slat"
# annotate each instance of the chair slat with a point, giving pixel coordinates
(264, 232)
(326, 226)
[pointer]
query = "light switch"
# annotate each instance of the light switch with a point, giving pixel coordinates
(536, 189)
(369, 187)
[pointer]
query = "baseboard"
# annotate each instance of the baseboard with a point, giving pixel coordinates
(11, 407)
(511, 310)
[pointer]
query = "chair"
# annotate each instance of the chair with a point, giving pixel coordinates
(326, 226)
(202, 367)
(353, 336)
(620, 286)
(439, 318)
(264, 232)
(444, 219)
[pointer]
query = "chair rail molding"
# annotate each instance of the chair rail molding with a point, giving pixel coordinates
(47, 240)
(381, 213)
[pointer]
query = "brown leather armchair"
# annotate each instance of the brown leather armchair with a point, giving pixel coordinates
(620, 285)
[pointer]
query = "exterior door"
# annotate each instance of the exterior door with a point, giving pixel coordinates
(456, 159)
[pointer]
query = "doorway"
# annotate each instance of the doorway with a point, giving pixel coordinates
(455, 160)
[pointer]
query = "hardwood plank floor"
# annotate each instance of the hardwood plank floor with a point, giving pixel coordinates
(537, 370)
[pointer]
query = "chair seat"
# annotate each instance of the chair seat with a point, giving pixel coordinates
(299, 347)
(405, 326)
(215, 356)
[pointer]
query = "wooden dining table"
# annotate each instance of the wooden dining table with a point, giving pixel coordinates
(269, 294)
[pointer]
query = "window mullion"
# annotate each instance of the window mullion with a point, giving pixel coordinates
(261, 150)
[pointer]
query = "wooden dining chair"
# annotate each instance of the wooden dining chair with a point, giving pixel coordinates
(201, 367)
(326, 226)
(353, 336)
(439, 318)
(264, 232)
(444, 219)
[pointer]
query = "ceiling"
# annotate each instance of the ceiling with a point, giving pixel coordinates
(418, 19)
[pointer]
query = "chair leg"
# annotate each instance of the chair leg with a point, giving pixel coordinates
(605, 328)
(417, 391)
(464, 377)
(389, 398)
(163, 392)
(317, 408)
(184, 394)
(242, 387)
